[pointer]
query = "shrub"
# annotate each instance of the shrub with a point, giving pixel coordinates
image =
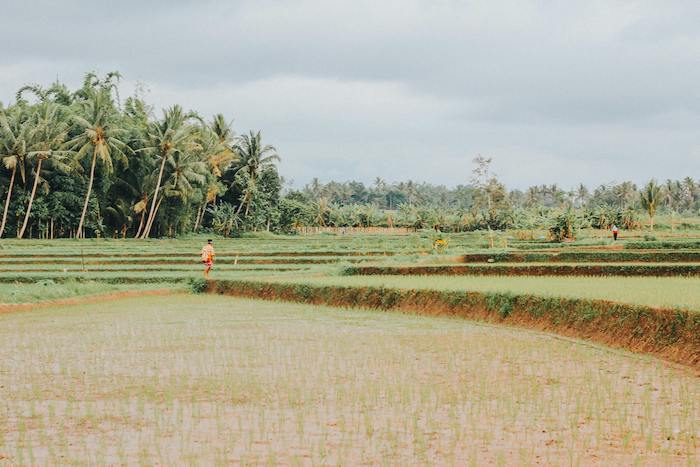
(198, 285)
(661, 245)
(564, 226)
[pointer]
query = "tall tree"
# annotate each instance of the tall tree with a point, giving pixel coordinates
(99, 135)
(15, 136)
(216, 148)
(47, 137)
(254, 158)
(172, 134)
(650, 198)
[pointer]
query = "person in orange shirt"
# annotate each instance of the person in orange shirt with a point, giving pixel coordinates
(208, 257)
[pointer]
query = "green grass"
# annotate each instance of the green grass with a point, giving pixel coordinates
(193, 266)
(414, 249)
(651, 291)
(216, 380)
(50, 290)
(146, 276)
(213, 380)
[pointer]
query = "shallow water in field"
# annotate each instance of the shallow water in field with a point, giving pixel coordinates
(208, 379)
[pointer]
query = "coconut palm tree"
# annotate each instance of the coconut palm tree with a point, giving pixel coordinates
(184, 169)
(315, 188)
(172, 134)
(93, 84)
(129, 190)
(99, 135)
(211, 192)
(15, 129)
(48, 136)
(254, 158)
(223, 131)
(650, 198)
(216, 142)
(322, 211)
(582, 194)
(689, 189)
(625, 193)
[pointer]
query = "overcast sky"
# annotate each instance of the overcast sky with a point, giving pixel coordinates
(555, 91)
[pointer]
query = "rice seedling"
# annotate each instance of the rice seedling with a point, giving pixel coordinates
(207, 379)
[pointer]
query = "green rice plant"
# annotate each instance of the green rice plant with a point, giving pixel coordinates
(662, 331)
(664, 245)
(584, 257)
(667, 292)
(12, 293)
(646, 270)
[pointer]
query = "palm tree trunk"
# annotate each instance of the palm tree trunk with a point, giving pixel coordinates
(89, 191)
(31, 199)
(7, 201)
(248, 194)
(242, 203)
(196, 220)
(152, 216)
(204, 211)
(143, 216)
(147, 231)
(152, 213)
(200, 216)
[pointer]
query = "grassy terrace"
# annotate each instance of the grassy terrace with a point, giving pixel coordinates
(531, 269)
(153, 380)
(192, 266)
(135, 277)
(376, 244)
(584, 256)
(651, 291)
(191, 260)
(49, 290)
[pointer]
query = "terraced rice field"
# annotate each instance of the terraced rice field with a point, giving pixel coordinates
(214, 380)
(680, 292)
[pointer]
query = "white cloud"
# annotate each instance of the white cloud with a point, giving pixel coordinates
(555, 91)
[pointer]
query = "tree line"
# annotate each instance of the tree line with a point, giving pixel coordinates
(83, 163)
(485, 203)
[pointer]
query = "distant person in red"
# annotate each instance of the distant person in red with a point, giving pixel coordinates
(615, 231)
(208, 257)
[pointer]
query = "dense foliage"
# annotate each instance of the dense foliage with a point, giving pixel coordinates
(466, 207)
(85, 163)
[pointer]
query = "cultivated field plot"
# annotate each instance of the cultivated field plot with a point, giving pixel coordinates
(670, 292)
(207, 379)
(15, 293)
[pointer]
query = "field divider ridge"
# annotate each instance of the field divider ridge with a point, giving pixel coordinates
(676, 256)
(672, 270)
